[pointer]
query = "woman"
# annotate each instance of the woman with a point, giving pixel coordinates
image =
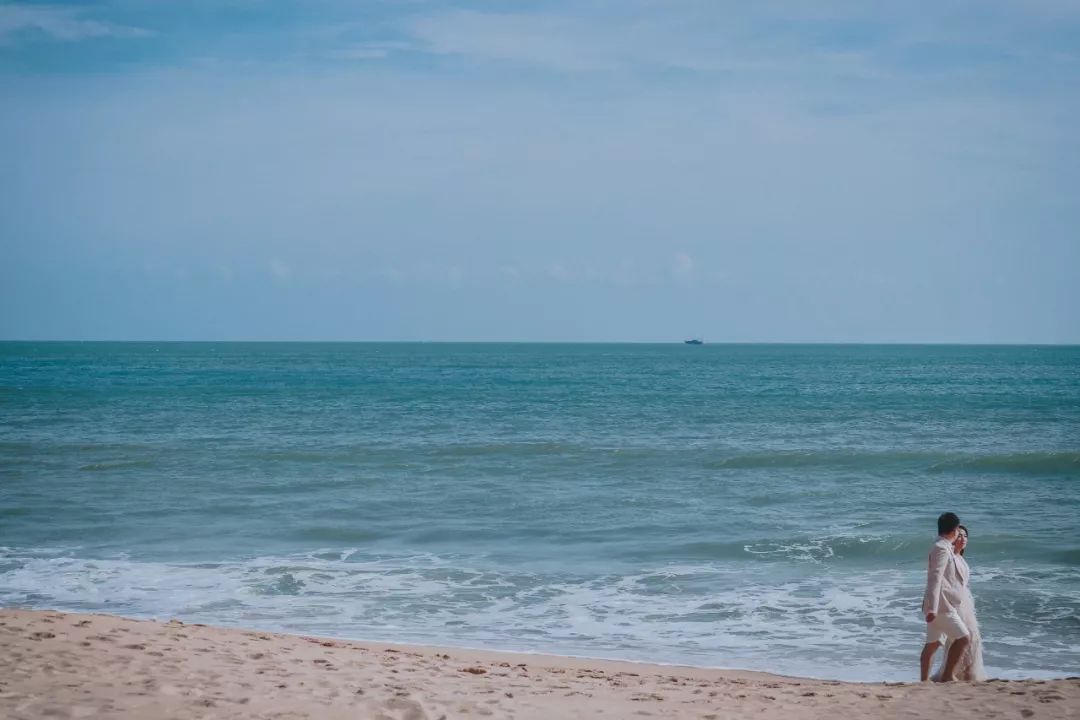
(970, 666)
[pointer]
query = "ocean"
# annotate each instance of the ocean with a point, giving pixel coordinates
(744, 506)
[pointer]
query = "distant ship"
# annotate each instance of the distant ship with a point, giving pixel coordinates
(694, 341)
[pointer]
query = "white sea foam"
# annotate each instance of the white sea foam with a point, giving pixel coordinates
(854, 625)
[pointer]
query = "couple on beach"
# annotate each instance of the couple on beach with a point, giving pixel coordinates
(950, 608)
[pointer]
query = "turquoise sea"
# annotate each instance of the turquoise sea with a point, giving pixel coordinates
(752, 506)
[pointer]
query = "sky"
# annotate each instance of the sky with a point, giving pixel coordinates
(596, 170)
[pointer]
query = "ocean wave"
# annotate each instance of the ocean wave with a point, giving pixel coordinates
(1070, 556)
(519, 449)
(701, 613)
(332, 533)
(107, 466)
(412, 456)
(823, 549)
(814, 549)
(1057, 463)
(1050, 463)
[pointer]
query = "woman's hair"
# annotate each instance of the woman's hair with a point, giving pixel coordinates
(966, 534)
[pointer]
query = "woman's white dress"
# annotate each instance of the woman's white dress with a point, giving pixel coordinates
(970, 665)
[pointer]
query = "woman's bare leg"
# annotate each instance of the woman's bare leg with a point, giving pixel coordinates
(957, 649)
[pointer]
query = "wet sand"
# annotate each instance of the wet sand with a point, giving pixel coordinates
(61, 665)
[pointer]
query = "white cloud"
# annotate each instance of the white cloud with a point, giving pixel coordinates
(559, 272)
(392, 275)
(682, 265)
(824, 51)
(454, 274)
(695, 39)
(224, 271)
(60, 23)
(280, 270)
(371, 51)
(718, 277)
(536, 39)
(362, 52)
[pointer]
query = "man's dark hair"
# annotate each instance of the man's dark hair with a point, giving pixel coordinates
(947, 523)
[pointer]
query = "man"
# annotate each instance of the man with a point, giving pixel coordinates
(944, 594)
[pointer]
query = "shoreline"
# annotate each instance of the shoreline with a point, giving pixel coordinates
(75, 665)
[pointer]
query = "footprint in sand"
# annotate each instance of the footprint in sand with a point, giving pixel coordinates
(404, 709)
(1049, 698)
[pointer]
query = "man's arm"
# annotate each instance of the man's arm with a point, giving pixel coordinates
(935, 573)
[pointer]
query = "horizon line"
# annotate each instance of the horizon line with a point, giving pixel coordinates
(1005, 343)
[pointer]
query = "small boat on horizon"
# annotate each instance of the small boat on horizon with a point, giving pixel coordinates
(694, 341)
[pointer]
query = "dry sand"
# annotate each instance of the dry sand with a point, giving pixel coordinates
(63, 665)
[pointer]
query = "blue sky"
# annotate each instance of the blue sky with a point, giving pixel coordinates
(635, 170)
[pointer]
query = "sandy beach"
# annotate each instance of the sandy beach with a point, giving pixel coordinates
(63, 665)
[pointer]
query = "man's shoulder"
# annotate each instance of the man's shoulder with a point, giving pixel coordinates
(941, 543)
